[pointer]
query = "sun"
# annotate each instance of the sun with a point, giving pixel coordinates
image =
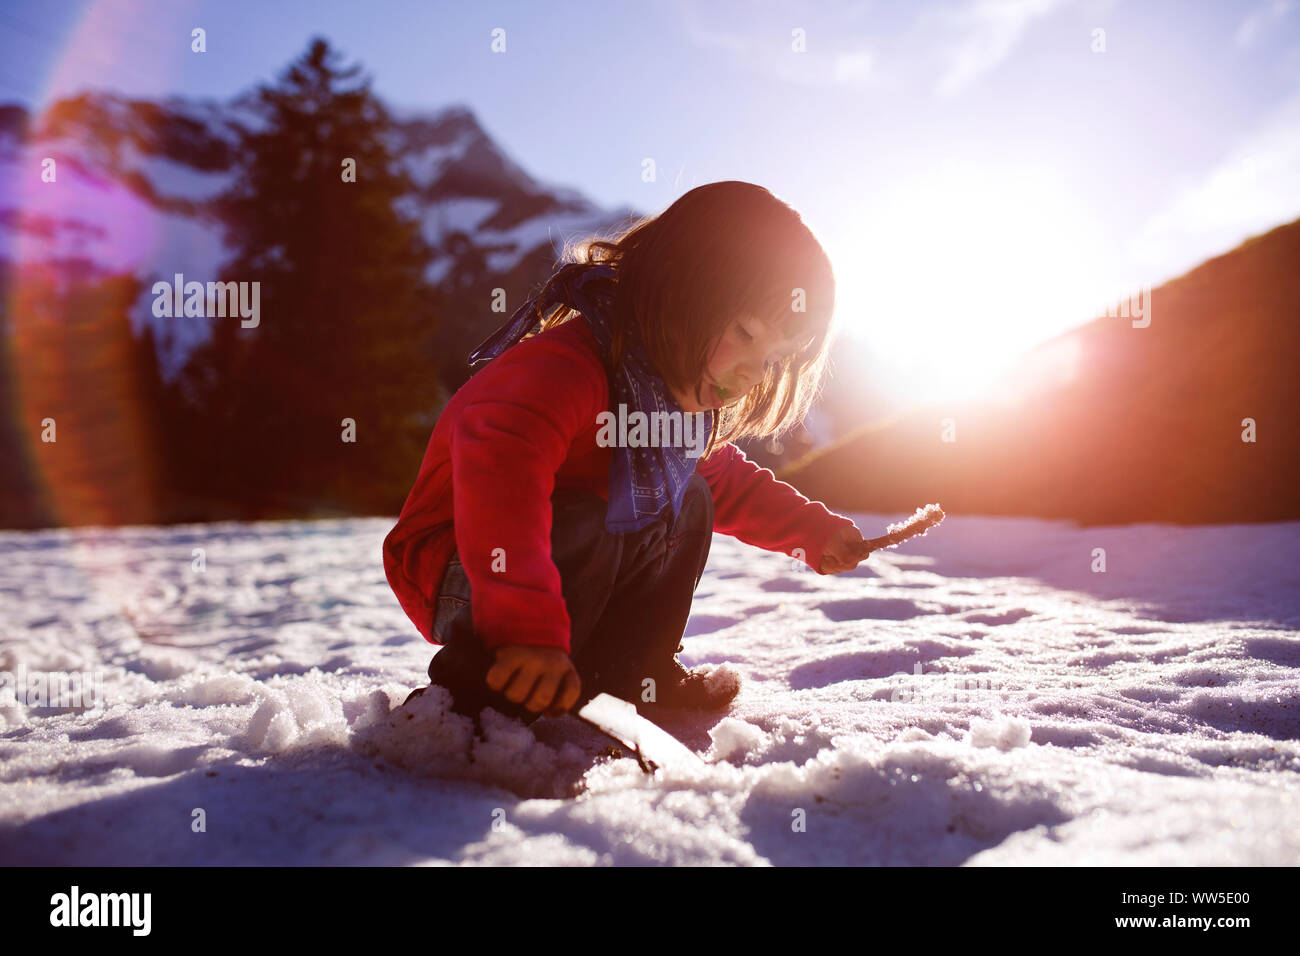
(955, 271)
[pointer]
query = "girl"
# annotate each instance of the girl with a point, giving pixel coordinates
(552, 566)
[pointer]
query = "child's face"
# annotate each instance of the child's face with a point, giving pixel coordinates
(736, 364)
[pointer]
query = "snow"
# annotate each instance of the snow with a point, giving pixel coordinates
(457, 215)
(176, 180)
(979, 696)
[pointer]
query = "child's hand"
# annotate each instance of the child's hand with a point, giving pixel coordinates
(844, 551)
(537, 677)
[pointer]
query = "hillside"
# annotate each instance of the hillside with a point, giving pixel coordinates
(1109, 423)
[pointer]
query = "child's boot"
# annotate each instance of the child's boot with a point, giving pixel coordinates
(677, 686)
(695, 688)
(461, 667)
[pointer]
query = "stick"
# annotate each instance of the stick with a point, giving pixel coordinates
(922, 521)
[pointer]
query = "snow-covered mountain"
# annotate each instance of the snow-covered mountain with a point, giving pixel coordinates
(136, 179)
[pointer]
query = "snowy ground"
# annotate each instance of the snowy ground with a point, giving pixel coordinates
(978, 696)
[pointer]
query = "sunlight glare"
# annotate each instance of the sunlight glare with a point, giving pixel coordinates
(957, 271)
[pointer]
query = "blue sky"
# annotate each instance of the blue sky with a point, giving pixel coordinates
(983, 174)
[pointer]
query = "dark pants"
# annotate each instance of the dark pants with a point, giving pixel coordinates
(628, 597)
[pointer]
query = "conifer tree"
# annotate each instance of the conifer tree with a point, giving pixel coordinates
(345, 311)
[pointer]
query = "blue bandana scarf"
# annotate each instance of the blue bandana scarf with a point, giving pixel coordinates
(642, 481)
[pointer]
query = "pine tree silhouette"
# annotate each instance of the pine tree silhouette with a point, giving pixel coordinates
(346, 316)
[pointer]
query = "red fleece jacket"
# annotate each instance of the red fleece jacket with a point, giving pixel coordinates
(521, 427)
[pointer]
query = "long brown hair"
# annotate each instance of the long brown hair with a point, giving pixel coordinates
(720, 251)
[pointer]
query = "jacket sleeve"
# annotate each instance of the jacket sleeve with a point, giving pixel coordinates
(750, 504)
(506, 448)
